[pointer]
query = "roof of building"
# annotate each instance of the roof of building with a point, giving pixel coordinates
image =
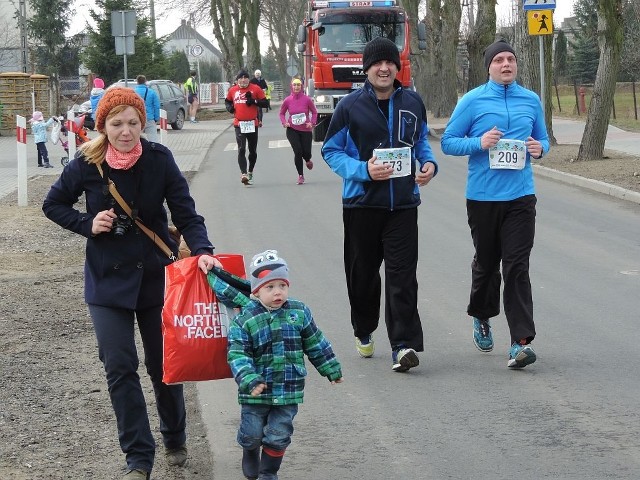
(186, 32)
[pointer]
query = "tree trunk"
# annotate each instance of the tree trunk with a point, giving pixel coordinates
(251, 9)
(446, 46)
(610, 40)
(419, 59)
(482, 35)
(229, 30)
(527, 49)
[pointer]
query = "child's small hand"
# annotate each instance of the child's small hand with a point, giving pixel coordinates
(258, 389)
(340, 380)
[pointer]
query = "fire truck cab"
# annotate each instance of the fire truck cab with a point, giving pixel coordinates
(332, 40)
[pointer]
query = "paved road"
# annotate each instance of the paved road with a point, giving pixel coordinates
(461, 414)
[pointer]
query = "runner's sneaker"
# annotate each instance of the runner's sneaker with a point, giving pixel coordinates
(244, 179)
(300, 179)
(309, 164)
(404, 359)
(520, 356)
(250, 177)
(365, 346)
(482, 337)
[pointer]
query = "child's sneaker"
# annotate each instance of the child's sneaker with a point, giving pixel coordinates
(365, 346)
(404, 359)
(482, 337)
(520, 356)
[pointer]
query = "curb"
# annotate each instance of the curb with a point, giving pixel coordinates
(593, 185)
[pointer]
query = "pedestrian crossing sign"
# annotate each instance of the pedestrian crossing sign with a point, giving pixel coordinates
(539, 4)
(540, 22)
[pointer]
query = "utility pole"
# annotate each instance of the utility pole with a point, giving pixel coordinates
(22, 25)
(152, 13)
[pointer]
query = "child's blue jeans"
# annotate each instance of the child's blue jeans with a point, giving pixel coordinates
(266, 425)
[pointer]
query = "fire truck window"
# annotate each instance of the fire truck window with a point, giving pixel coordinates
(331, 39)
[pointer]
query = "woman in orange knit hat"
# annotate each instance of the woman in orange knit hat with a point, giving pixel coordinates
(124, 268)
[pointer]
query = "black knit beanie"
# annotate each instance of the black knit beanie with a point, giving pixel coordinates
(494, 49)
(378, 49)
(242, 73)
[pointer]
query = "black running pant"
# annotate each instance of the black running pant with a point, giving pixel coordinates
(301, 144)
(503, 231)
(370, 236)
(243, 140)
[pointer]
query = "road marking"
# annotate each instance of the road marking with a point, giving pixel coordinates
(272, 144)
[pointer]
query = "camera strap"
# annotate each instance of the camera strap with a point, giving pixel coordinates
(150, 233)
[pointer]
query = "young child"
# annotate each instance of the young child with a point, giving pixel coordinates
(267, 344)
(39, 129)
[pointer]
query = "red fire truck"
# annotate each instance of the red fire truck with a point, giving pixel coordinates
(332, 39)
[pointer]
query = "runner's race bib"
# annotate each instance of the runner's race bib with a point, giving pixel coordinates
(298, 119)
(398, 158)
(508, 154)
(247, 126)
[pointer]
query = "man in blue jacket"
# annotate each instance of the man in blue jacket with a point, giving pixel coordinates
(377, 143)
(152, 106)
(500, 126)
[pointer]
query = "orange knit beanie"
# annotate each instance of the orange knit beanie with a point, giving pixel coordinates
(115, 96)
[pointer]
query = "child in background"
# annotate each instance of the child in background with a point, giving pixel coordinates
(39, 130)
(267, 344)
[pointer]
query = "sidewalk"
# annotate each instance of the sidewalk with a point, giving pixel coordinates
(189, 147)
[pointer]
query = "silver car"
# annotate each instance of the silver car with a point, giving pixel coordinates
(172, 99)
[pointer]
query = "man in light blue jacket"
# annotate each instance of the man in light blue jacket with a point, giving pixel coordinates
(500, 126)
(152, 106)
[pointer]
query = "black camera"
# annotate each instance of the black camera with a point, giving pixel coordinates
(121, 225)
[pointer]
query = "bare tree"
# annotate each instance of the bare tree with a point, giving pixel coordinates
(630, 61)
(229, 29)
(234, 22)
(481, 35)
(281, 19)
(610, 41)
(419, 62)
(445, 27)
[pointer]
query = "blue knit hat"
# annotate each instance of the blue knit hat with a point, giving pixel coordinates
(265, 267)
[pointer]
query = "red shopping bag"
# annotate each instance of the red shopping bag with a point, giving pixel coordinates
(194, 323)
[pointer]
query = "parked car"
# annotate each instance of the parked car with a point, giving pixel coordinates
(172, 99)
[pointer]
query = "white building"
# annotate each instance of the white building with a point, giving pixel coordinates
(187, 39)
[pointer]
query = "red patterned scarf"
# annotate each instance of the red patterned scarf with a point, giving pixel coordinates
(123, 161)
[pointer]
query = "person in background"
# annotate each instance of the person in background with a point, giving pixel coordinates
(96, 94)
(39, 129)
(124, 268)
(298, 115)
(268, 340)
(500, 126)
(262, 83)
(191, 86)
(380, 201)
(243, 100)
(152, 106)
(267, 94)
